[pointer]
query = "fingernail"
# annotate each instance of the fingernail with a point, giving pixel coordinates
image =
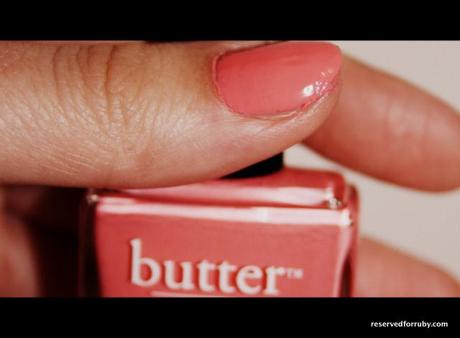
(277, 78)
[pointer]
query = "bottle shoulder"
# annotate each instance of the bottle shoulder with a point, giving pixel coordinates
(287, 187)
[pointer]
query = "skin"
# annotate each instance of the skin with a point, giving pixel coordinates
(135, 114)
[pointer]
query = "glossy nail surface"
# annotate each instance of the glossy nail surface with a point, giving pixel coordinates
(277, 78)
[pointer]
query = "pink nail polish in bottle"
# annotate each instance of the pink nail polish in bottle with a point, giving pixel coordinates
(265, 231)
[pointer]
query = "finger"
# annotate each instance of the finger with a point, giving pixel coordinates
(386, 272)
(35, 263)
(17, 263)
(144, 115)
(389, 129)
(55, 209)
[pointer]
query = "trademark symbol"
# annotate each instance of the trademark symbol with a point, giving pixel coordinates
(294, 273)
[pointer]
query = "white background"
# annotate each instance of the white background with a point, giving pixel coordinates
(426, 225)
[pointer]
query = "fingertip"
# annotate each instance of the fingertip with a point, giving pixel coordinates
(392, 130)
(387, 272)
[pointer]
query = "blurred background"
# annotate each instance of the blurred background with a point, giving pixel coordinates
(423, 224)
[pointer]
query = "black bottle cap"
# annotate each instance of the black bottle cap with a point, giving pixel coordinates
(265, 167)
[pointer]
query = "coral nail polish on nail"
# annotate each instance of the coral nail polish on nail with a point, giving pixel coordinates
(265, 231)
(277, 78)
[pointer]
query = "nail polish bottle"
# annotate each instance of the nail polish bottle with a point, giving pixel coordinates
(265, 231)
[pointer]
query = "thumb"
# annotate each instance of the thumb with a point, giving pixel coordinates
(152, 114)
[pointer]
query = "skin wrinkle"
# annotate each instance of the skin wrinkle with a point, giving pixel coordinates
(130, 97)
(138, 98)
(77, 161)
(53, 155)
(39, 131)
(157, 64)
(58, 161)
(107, 82)
(93, 82)
(17, 94)
(133, 125)
(119, 74)
(137, 127)
(28, 129)
(55, 72)
(185, 127)
(176, 135)
(95, 102)
(68, 111)
(89, 113)
(172, 124)
(74, 80)
(152, 137)
(113, 116)
(63, 81)
(112, 110)
(14, 121)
